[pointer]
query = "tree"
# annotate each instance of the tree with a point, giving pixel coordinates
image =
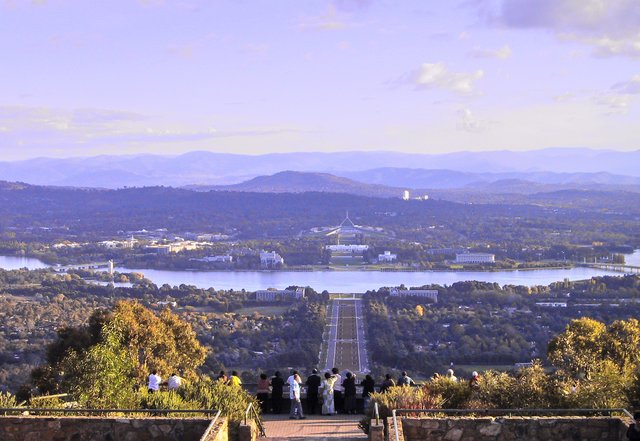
(622, 342)
(100, 364)
(578, 346)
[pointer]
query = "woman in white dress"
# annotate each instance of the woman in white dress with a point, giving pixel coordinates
(328, 407)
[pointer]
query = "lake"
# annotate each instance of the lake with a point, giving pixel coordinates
(341, 281)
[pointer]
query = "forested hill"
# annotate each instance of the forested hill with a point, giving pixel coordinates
(47, 213)
(300, 182)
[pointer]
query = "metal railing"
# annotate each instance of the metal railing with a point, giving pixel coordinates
(210, 427)
(257, 419)
(507, 412)
(376, 413)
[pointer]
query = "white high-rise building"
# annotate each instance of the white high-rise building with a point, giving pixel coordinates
(405, 195)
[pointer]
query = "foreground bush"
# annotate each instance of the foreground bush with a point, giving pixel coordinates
(400, 398)
(7, 400)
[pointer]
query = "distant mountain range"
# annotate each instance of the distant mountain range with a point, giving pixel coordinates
(442, 171)
(301, 182)
(442, 184)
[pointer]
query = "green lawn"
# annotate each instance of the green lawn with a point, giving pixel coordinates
(264, 310)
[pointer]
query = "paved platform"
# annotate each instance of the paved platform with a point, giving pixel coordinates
(315, 427)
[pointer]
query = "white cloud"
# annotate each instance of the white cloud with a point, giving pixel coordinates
(563, 97)
(437, 75)
(331, 20)
(632, 86)
(611, 27)
(502, 53)
(468, 122)
(616, 104)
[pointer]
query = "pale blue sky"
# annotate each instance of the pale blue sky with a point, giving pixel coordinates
(95, 77)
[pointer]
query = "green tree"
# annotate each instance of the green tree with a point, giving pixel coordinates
(576, 349)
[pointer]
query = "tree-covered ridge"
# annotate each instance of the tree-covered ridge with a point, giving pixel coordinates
(40, 307)
(477, 323)
(49, 214)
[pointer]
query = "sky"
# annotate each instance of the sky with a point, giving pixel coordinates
(84, 77)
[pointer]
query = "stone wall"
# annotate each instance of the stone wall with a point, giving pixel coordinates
(509, 429)
(36, 428)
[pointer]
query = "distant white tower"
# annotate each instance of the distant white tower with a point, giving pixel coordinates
(111, 267)
(405, 195)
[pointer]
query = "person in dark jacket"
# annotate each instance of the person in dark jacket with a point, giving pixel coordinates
(368, 387)
(387, 383)
(633, 432)
(313, 383)
(349, 385)
(277, 384)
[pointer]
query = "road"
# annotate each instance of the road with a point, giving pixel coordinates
(346, 345)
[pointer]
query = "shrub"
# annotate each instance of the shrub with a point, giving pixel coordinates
(454, 393)
(400, 398)
(208, 394)
(607, 387)
(7, 400)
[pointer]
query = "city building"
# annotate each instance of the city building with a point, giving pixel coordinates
(270, 259)
(387, 257)
(552, 304)
(406, 195)
(426, 293)
(475, 258)
(220, 259)
(273, 295)
(347, 232)
(174, 247)
(353, 249)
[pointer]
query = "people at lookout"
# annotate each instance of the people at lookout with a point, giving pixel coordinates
(313, 384)
(338, 397)
(368, 387)
(349, 385)
(174, 382)
(450, 375)
(633, 432)
(294, 382)
(328, 407)
(154, 381)
(474, 381)
(277, 384)
(222, 377)
(405, 380)
(387, 383)
(262, 392)
(234, 379)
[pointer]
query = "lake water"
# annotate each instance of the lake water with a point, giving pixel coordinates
(341, 281)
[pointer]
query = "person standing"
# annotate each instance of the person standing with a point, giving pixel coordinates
(234, 379)
(349, 385)
(277, 384)
(368, 387)
(174, 382)
(222, 377)
(338, 398)
(474, 381)
(633, 433)
(405, 380)
(262, 392)
(328, 407)
(313, 383)
(294, 382)
(154, 381)
(387, 383)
